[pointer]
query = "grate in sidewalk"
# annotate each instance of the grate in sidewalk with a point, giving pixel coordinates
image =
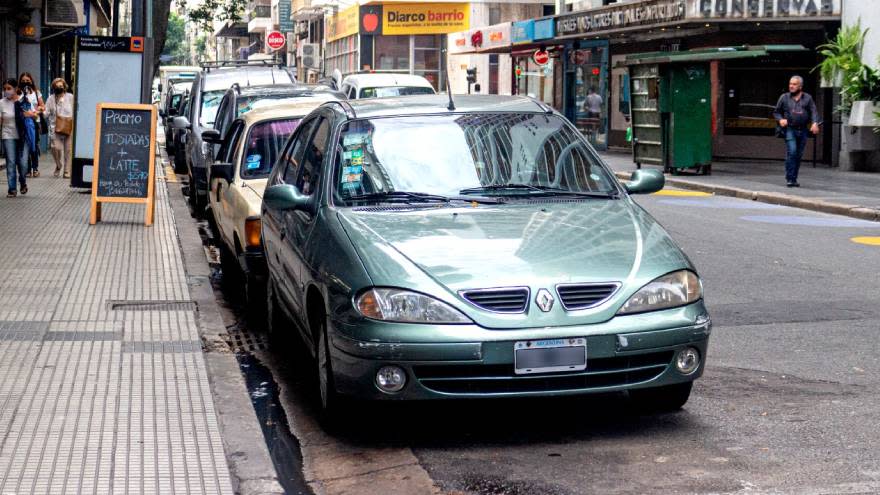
(245, 341)
(156, 305)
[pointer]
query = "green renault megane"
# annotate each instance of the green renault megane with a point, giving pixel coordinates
(428, 249)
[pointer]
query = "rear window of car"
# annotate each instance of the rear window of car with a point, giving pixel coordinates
(264, 143)
(388, 91)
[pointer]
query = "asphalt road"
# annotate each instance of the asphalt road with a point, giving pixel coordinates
(789, 402)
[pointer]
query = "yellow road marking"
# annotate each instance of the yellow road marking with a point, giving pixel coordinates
(170, 176)
(680, 192)
(870, 241)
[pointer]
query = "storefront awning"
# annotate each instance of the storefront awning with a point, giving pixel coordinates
(708, 54)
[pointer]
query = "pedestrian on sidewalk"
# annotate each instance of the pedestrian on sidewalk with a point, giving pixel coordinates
(32, 97)
(12, 128)
(797, 116)
(59, 114)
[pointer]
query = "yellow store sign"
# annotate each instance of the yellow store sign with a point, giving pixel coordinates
(425, 18)
(343, 24)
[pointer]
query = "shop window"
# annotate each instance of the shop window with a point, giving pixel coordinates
(392, 53)
(750, 96)
(493, 74)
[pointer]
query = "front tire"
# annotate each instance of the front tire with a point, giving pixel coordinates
(331, 402)
(662, 399)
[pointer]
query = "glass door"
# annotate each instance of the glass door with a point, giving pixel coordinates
(587, 90)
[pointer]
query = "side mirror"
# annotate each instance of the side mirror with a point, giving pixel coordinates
(160, 87)
(161, 113)
(172, 112)
(286, 197)
(222, 171)
(211, 136)
(181, 123)
(645, 182)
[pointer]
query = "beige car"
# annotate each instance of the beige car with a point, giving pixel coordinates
(238, 177)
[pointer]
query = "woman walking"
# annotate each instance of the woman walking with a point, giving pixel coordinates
(32, 101)
(12, 127)
(59, 113)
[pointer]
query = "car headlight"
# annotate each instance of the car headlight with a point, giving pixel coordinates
(405, 306)
(669, 291)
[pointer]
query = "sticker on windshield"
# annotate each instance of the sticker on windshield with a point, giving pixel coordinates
(357, 161)
(355, 139)
(352, 170)
(357, 153)
(351, 178)
(595, 177)
(253, 161)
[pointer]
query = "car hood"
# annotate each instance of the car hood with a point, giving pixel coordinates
(514, 245)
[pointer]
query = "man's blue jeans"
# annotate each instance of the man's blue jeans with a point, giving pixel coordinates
(16, 163)
(795, 142)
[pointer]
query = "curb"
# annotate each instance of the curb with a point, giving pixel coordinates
(250, 466)
(804, 203)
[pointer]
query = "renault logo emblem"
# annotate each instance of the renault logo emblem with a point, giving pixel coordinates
(544, 300)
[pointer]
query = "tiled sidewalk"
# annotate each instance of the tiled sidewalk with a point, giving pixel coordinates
(103, 387)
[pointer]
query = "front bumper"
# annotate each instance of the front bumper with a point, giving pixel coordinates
(615, 361)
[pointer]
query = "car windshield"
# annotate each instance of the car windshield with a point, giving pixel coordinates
(210, 104)
(388, 91)
(250, 102)
(505, 155)
(263, 144)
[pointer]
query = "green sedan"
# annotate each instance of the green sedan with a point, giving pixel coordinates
(428, 249)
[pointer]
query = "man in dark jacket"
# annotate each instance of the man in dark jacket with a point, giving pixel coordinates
(796, 114)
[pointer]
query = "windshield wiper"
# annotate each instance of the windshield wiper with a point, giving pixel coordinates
(542, 190)
(399, 196)
(409, 196)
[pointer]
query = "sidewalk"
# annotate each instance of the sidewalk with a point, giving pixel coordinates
(103, 382)
(830, 190)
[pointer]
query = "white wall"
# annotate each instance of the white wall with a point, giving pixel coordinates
(866, 10)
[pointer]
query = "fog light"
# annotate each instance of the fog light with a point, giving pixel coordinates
(390, 379)
(687, 360)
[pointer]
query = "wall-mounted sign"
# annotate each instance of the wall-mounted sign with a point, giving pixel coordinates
(480, 39)
(342, 24)
(522, 32)
(766, 9)
(541, 57)
(620, 16)
(423, 18)
(275, 40)
(285, 19)
(544, 29)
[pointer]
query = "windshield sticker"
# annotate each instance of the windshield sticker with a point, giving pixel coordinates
(253, 161)
(595, 177)
(351, 179)
(352, 170)
(355, 139)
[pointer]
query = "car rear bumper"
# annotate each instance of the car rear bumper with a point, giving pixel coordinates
(615, 362)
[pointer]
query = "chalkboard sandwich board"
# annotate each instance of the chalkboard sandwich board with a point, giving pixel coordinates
(124, 166)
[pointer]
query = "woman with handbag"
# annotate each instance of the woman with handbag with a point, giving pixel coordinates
(59, 112)
(31, 97)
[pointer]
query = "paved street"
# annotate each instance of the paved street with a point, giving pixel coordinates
(788, 403)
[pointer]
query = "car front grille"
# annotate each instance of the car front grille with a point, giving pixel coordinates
(503, 300)
(583, 296)
(500, 379)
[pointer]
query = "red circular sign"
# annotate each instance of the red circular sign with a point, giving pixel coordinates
(275, 40)
(541, 57)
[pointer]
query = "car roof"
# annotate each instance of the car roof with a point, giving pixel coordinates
(224, 77)
(377, 79)
(299, 108)
(285, 89)
(430, 104)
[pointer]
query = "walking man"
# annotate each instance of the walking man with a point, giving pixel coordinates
(796, 114)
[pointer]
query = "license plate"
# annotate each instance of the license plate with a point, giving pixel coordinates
(544, 356)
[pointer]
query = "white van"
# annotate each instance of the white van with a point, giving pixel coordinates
(376, 85)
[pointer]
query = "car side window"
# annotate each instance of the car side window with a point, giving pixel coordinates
(352, 93)
(293, 153)
(313, 159)
(230, 143)
(221, 115)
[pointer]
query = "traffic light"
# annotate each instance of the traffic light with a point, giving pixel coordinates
(472, 75)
